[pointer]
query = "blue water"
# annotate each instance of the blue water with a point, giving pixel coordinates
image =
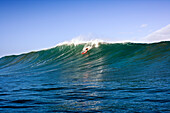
(110, 78)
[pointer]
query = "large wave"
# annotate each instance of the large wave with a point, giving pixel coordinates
(66, 58)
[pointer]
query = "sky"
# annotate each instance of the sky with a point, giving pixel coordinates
(27, 25)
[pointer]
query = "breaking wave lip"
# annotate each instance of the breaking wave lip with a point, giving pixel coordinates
(84, 39)
(96, 41)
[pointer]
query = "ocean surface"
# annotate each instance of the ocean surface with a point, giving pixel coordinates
(111, 77)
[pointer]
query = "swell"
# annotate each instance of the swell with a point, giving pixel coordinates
(68, 58)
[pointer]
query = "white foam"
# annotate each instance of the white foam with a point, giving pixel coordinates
(95, 42)
(77, 41)
(80, 40)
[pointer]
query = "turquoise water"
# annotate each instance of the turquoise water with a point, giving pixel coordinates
(122, 77)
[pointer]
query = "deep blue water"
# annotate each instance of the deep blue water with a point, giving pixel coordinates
(110, 78)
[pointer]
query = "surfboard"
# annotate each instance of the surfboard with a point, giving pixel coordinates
(84, 52)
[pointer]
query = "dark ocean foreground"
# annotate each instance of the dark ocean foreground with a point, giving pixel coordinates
(124, 77)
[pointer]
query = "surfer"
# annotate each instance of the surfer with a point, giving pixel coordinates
(85, 51)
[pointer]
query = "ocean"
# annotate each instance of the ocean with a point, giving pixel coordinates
(110, 77)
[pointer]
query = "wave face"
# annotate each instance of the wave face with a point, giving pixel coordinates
(120, 77)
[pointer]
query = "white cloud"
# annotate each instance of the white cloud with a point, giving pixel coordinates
(162, 34)
(143, 25)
